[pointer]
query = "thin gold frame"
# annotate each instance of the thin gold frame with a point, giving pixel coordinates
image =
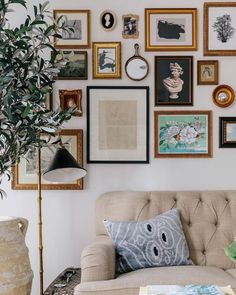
(105, 45)
(60, 186)
(73, 46)
(155, 47)
(208, 51)
(214, 63)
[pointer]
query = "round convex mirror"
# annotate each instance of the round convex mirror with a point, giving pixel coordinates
(136, 67)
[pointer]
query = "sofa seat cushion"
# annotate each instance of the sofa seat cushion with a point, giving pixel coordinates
(129, 283)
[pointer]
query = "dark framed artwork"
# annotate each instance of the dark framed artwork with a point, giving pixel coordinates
(106, 60)
(227, 130)
(180, 134)
(117, 124)
(207, 72)
(75, 67)
(108, 20)
(25, 175)
(220, 28)
(79, 20)
(173, 80)
(170, 29)
(70, 99)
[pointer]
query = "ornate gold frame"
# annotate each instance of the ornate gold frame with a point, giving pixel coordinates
(76, 95)
(106, 45)
(208, 51)
(73, 46)
(223, 89)
(165, 11)
(136, 35)
(16, 185)
(214, 63)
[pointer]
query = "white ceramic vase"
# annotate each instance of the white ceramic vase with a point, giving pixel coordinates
(16, 274)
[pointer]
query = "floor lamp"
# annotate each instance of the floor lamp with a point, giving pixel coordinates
(63, 168)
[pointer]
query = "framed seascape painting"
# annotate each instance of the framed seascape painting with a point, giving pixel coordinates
(170, 29)
(207, 72)
(106, 60)
(118, 124)
(220, 28)
(75, 66)
(25, 173)
(173, 80)
(182, 134)
(227, 136)
(77, 34)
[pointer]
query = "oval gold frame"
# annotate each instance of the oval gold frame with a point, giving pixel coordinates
(230, 96)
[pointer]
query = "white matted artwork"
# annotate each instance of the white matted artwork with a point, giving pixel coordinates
(220, 28)
(117, 119)
(77, 34)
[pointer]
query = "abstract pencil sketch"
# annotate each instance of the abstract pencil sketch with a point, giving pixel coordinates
(222, 26)
(171, 29)
(106, 60)
(174, 83)
(73, 31)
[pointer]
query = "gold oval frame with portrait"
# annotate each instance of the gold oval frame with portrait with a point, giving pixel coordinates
(223, 96)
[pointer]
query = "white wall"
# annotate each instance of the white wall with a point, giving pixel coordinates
(68, 215)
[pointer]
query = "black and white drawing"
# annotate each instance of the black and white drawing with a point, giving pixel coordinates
(130, 26)
(222, 26)
(73, 31)
(171, 29)
(106, 60)
(108, 20)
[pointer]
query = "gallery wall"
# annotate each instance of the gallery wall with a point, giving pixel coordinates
(68, 216)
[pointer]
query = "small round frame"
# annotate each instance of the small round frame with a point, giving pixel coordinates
(108, 20)
(223, 96)
(136, 67)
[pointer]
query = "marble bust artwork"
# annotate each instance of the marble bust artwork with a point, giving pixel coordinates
(174, 83)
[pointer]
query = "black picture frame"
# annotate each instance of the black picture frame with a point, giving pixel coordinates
(165, 67)
(227, 140)
(118, 124)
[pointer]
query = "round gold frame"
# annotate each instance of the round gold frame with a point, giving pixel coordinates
(223, 96)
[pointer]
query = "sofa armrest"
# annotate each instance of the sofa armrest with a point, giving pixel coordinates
(98, 260)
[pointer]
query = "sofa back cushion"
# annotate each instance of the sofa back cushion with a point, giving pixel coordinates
(208, 218)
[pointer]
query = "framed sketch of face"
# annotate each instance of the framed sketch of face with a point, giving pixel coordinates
(207, 73)
(108, 20)
(71, 99)
(130, 26)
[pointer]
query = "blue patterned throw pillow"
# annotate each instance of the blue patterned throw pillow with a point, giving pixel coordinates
(159, 241)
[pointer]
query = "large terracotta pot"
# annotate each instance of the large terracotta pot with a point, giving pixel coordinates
(15, 272)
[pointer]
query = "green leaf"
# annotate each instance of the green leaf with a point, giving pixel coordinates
(26, 111)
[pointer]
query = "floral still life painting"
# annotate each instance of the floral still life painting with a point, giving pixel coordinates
(183, 134)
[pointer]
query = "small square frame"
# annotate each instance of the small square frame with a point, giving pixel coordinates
(207, 72)
(70, 99)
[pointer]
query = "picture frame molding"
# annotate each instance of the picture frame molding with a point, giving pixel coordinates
(215, 63)
(78, 93)
(192, 47)
(194, 155)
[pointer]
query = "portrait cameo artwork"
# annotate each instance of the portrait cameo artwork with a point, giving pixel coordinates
(173, 80)
(108, 20)
(106, 60)
(71, 99)
(169, 28)
(76, 33)
(130, 26)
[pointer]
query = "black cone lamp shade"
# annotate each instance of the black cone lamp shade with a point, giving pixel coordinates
(64, 168)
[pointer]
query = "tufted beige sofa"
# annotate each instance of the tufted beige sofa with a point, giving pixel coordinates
(209, 223)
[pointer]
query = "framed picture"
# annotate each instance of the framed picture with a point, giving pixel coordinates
(76, 66)
(130, 26)
(118, 124)
(79, 21)
(25, 173)
(170, 29)
(183, 134)
(49, 101)
(106, 60)
(108, 20)
(220, 28)
(223, 96)
(70, 99)
(207, 72)
(227, 134)
(173, 80)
